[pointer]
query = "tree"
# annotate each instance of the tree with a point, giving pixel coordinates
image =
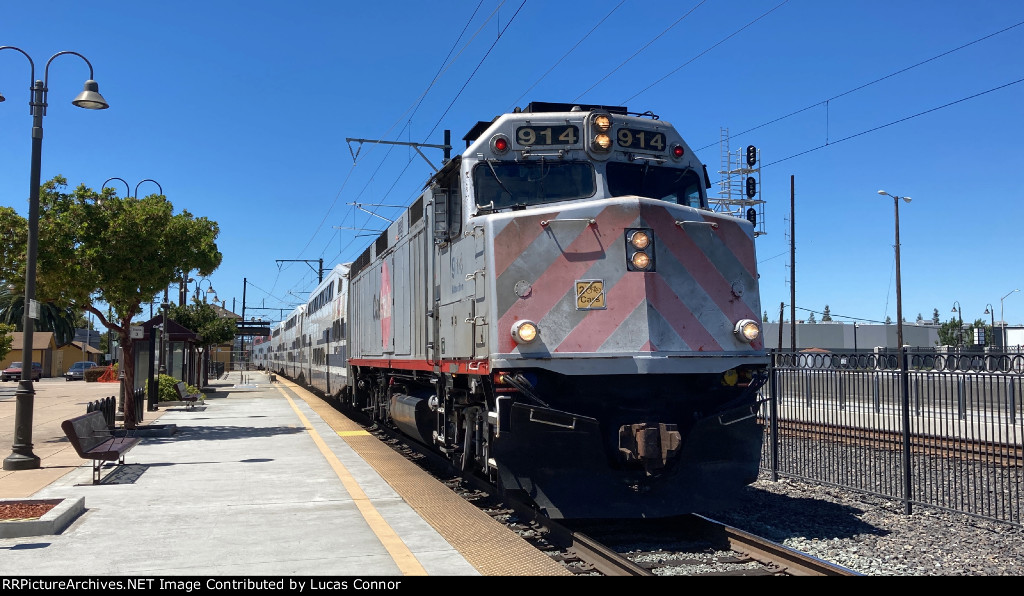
(920, 319)
(202, 319)
(949, 333)
(118, 251)
(935, 317)
(51, 317)
(764, 319)
(810, 318)
(827, 315)
(888, 320)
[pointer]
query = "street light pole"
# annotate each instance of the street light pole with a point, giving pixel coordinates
(1003, 320)
(899, 296)
(960, 320)
(904, 376)
(22, 457)
(991, 311)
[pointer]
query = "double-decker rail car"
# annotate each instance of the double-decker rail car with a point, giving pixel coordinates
(560, 311)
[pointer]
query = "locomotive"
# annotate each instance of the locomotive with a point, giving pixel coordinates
(559, 311)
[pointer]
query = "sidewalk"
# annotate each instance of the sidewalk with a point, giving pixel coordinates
(55, 401)
(254, 482)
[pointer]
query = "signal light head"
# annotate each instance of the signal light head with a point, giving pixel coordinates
(677, 151)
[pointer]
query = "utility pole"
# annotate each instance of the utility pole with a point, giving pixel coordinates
(792, 262)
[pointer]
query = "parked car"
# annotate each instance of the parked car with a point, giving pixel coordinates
(77, 370)
(13, 372)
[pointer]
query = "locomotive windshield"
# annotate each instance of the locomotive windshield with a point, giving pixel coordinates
(655, 182)
(519, 184)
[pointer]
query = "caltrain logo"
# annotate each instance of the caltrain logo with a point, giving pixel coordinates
(385, 305)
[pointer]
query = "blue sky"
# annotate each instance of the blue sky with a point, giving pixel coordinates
(240, 111)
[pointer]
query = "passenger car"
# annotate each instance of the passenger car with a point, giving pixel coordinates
(13, 372)
(77, 370)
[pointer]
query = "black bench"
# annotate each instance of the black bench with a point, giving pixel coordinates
(183, 395)
(92, 439)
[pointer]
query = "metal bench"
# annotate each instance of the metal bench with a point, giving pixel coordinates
(190, 399)
(93, 440)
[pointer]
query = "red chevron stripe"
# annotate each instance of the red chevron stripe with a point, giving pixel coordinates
(598, 325)
(697, 263)
(550, 286)
(514, 238)
(664, 299)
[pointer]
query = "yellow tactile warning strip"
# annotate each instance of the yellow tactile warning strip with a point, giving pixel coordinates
(489, 546)
(400, 553)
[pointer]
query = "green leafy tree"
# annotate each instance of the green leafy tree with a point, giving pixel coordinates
(119, 252)
(935, 317)
(764, 319)
(949, 333)
(810, 318)
(51, 317)
(203, 320)
(827, 315)
(888, 320)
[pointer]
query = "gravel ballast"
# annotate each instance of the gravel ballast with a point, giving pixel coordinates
(872, 535)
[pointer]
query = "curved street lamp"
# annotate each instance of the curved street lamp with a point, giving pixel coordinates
(22, 457)
(960, 319)
(899, 296)
(127, 188)
(991, 311)
(1001, 319)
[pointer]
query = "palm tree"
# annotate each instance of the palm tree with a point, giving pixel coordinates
(61, 321)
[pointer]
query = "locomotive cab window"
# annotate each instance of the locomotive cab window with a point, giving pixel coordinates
(675, 185)
(502, 185)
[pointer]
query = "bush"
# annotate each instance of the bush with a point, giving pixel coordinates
(166, 390)
(93, 374)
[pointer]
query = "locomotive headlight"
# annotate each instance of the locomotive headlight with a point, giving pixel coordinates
(602, 123)
(639, 249)
(524, 332)
(639, 239)
(602, 142)
(641, 260)
(747, 330)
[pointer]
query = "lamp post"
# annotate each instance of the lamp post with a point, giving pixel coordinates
(899, 297)
(904, 376)
(121, 393)
(209, 290)
(991, 310)
(164, 306)
(1003, 320)
(960, 320)
(22, 457)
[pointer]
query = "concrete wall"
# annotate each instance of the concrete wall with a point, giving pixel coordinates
(839, 336)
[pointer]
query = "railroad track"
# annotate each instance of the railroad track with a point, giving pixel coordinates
(687, 545)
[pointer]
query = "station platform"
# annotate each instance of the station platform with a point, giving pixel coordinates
(261, 478)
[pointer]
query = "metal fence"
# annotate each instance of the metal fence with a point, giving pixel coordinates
(941, 430)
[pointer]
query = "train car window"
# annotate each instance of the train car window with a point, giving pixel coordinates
(520, 184)
(675, 185)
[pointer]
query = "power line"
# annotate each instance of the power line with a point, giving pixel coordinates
(877, 128)
(865, 85)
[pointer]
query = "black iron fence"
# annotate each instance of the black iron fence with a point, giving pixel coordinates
(942, 430)
(107, 405)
